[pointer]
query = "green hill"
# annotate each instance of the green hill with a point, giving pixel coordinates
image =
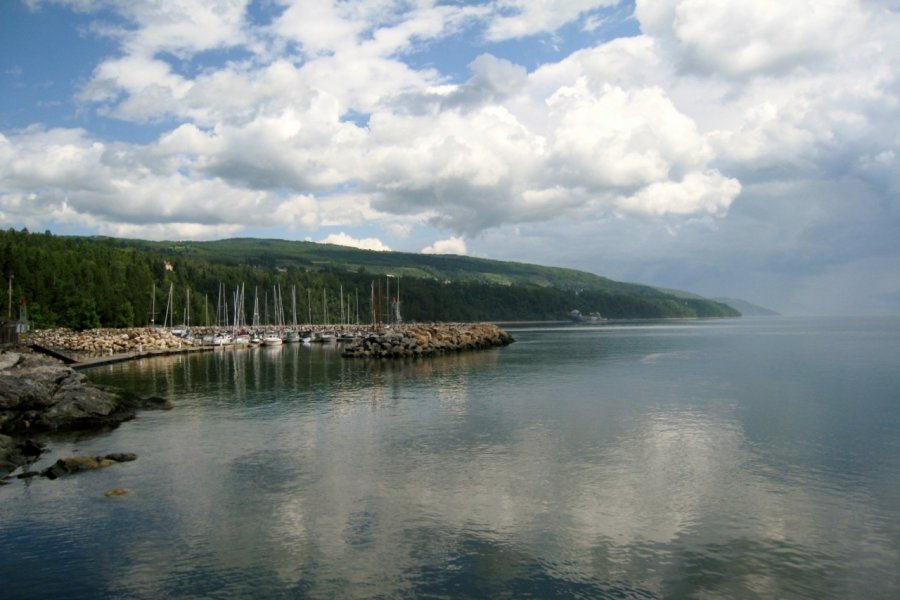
(92, 281)
(273, 254)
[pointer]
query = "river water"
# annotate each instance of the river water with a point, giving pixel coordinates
(748, 458)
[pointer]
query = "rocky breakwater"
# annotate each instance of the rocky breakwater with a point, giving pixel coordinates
(39, 396)
(102, 342)
(427, 340)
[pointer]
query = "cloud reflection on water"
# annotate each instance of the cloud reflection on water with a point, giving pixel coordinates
(298, 472)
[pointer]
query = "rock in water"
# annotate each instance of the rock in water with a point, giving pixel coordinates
(121, 456)
(77, 464)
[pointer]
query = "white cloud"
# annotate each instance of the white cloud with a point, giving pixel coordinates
(169, 231)
(749, 38)
(321, 25)
(183, 27)
(65, 172)
(612, 138)
(453, 245)
(521, 18)
(399, 230)
(342, 239)
(697, 193)
(149, 87)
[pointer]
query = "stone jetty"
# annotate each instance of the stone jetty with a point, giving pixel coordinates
(427, 340)
(102, 342)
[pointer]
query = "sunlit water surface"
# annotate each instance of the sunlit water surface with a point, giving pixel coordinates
(701, 459)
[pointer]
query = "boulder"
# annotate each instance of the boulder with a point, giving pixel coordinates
(41, 395)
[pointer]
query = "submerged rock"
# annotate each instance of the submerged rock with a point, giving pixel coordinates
(76, 464)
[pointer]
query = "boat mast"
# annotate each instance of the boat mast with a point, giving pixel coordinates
(255, 307)
(169, 305)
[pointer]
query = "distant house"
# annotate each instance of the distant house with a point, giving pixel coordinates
(281, 269)
(169, 266)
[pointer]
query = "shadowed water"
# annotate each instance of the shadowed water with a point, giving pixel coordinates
(707, 459)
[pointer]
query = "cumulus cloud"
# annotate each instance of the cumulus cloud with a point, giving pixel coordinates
(452, 245)
(336, 115)
(749, 38)
(697, 193)
(493, 80)
(524, 147)
(342, 239)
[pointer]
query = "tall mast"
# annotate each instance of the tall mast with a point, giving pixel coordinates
(256, 307)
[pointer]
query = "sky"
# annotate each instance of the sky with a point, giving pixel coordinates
(738, 149)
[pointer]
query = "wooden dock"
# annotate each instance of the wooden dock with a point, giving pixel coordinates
(97, 361)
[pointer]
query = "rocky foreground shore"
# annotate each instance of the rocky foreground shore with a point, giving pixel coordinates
(427, 340)
(39, 395)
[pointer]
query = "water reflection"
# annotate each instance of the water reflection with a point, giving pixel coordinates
(611, 465)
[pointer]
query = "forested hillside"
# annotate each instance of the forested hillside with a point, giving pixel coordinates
(92, 282)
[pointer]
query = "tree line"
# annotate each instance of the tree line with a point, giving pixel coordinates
(84, 283)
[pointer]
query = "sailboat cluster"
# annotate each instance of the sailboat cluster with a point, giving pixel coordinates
(231, 326)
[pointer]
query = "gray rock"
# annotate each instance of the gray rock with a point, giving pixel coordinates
(39, 395)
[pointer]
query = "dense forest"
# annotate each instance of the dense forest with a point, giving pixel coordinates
(82, 282)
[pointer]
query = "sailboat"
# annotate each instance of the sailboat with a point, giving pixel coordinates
(292, 336)
(325, 336)
(241, 337)
(272, 337)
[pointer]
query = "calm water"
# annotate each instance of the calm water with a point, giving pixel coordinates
(712, 459)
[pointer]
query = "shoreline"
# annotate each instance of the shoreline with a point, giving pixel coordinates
(43, 392)
(41, 397)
